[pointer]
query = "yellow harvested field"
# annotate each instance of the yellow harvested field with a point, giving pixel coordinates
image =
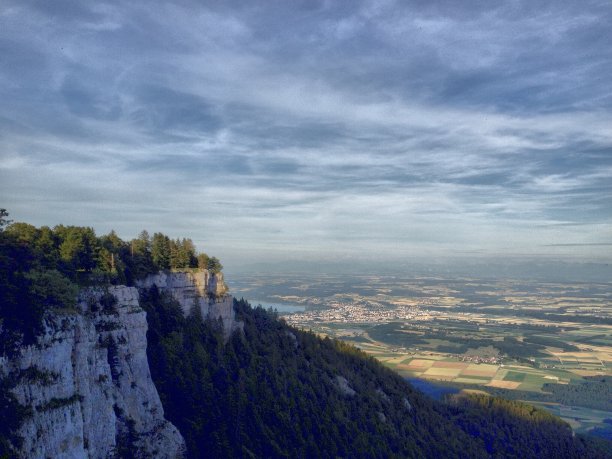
(403, 366)
(577, 356)
(399, 359)
(604, 357)
(593, 358)
(589, 372)
(519, 368)
(504, 384)
(450, 365)
(480, 370)
(443, 372)
(483, 367)
(421, 363)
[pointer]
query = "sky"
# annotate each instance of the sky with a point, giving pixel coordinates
(314, 130)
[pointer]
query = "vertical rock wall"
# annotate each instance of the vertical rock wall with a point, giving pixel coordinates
(201, 289)
(88, 384)
(87, 380)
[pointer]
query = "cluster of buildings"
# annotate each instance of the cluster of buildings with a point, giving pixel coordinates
(355, 311)
(478, 359)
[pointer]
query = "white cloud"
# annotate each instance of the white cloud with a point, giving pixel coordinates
(394, 129)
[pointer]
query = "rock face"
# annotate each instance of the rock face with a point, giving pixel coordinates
(344, 386)
(88, 383)
(87, 380)
(201, 289)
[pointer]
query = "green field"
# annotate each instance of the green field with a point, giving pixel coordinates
(478, 355)
(545, 342)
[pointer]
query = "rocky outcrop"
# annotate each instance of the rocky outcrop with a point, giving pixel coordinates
(383, 396)
(407, 404)
(344, 386)
(87, 380)
(202, 289)
(88, 384)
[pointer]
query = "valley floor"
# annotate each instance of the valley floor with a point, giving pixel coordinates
(546, 343)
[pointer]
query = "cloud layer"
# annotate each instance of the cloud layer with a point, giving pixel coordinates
(315, 129)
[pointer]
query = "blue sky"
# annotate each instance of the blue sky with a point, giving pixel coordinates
(314, 130)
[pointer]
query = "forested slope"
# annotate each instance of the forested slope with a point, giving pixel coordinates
(274, 391)
(268, 391)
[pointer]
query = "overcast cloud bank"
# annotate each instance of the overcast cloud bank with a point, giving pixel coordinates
(320, 130)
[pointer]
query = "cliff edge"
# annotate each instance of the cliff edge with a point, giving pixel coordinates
(86, 382)
(201, 289)
(88, 386)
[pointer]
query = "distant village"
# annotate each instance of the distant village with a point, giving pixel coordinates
(358, 311)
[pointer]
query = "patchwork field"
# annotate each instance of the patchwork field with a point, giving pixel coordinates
(548, 343)
(540, 362)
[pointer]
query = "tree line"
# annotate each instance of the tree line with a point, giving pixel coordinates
(78, 253)
(42, 269)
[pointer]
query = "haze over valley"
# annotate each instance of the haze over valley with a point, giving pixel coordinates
(418, 194)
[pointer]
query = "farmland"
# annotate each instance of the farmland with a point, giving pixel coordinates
(544, 342)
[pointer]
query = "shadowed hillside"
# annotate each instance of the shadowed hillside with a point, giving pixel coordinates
(275, 391)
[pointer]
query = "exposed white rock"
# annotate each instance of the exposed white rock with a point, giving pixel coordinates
(293, 339)
(88, 383)
(344, 386)
(381, 393)
(200, 288)
(87, 379)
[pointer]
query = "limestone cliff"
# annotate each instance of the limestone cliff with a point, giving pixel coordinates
(202, 289)
(88, 384)
(87, 380)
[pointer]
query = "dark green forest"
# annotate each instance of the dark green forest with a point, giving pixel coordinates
(41, 269)
(269, 390)
(274, 391)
